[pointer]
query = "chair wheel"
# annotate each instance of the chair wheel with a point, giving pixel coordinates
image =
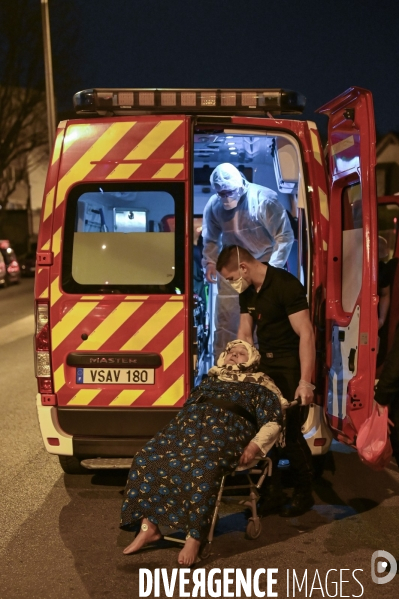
(254, 528)
(205, 550)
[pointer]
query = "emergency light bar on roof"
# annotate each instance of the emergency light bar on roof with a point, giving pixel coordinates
(259, 102)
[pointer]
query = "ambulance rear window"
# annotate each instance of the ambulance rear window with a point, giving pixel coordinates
(124, 239)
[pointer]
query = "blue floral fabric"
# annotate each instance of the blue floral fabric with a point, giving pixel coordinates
(174, 479)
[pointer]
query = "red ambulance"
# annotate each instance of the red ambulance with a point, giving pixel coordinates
(122, 330)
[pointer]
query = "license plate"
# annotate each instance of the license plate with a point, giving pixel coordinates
(115, 376)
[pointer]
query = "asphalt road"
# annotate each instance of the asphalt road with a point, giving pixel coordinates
(60, 537)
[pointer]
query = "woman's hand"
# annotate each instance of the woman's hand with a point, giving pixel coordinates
(249, 453)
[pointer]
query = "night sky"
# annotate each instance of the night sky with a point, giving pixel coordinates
(319, 48)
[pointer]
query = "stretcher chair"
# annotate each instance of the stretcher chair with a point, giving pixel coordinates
(259, 466)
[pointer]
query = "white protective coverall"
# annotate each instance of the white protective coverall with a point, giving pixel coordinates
(258, 223)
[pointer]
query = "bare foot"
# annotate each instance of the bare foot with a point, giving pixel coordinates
(143, 537)
(189, 553)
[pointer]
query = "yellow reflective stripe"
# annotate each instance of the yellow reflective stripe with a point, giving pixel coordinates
(325, 246)
(48, 204)
(315, 146)
(177, 297)
(137, 297)
(84, 397)
(59, 378)
(123, 171)
(168, 171)
(91, 297)
(44, 295)
(171, 395)
(56, 242)
(323, 204)
(153, 326)
(70, 321)
(95, 153)
(178, 154)
(55, 292)
(127, 397)
(342, 145)
(78, 133)
(153, 140)
(111, 324)
(46, 246)
(57, 146)
(172, 351)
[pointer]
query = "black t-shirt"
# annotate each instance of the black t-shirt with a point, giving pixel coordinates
(280, 296)
(386, 272)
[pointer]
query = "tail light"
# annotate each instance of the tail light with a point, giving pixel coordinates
(42, 347)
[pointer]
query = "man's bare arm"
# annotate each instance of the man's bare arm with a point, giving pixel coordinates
(245, 328)
(302, 326)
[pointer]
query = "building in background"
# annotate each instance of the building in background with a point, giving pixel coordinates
(387, 172)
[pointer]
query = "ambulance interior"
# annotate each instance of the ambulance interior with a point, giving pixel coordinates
(264, 158)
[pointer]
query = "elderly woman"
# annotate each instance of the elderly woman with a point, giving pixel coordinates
(230, 418)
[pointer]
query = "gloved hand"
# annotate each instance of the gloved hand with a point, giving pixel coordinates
(304, 393)
(210, 273)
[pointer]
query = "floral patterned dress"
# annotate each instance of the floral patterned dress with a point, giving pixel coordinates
(174, 479)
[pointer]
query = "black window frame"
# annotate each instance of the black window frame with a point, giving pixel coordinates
(175, 189)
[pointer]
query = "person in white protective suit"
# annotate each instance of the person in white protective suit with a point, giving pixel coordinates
(245, 214)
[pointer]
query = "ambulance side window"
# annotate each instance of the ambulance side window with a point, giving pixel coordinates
(124, 238)
(352, 246)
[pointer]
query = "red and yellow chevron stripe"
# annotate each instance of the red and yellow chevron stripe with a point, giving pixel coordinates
(127, 149)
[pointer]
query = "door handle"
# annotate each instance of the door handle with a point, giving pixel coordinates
(351, 360)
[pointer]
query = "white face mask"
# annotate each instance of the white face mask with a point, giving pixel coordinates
(240, 284)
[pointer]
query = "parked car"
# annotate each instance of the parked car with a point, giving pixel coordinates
(13, 271)
(3, 271)
(27, 263)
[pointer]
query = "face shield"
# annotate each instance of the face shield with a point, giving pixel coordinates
(229, 184)
(230, 198)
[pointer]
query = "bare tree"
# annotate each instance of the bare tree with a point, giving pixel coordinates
(22, 100)
(23, 124)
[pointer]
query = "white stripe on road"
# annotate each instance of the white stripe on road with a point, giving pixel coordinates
(17, 330)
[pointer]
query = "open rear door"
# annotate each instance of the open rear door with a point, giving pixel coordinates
(351, 307)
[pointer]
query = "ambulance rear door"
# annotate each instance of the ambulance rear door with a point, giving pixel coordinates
(352, 262)
(119, 288)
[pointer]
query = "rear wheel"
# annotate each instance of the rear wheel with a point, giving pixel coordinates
(71, 465)
(254, 528)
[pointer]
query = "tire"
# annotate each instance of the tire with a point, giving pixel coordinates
(254, 528)
(71, 465)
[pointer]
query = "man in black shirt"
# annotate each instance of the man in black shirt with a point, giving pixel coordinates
(387, 391)
(274, 301)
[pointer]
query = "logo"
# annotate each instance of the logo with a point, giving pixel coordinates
(113, 360)
(380, 560)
